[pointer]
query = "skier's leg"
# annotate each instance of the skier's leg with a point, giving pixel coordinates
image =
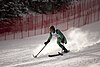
(65, 50)
(65, 41)
(59, 42)
(62, 46)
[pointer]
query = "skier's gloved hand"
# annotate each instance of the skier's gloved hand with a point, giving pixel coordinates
(46, 42)
(65, 42)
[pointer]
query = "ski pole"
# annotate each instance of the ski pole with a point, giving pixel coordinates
(39, 52)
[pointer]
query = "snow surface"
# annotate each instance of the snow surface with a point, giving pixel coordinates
(84, 44)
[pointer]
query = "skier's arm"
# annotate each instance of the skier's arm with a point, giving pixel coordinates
(60, 33)
(50, 37)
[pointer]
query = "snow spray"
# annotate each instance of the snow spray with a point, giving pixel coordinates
(78, 39)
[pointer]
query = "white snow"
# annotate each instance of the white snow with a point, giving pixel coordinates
(84, 44)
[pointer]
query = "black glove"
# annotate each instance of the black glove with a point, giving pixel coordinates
(46, 42)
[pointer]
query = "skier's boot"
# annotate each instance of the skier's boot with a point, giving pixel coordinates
(65, 50)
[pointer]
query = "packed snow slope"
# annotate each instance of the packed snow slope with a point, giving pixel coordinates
(84, 44)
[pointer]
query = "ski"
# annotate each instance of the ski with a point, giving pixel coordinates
(58, 54)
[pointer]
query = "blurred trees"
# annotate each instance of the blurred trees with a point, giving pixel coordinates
(16, 8)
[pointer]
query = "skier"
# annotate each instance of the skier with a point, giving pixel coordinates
(60, 38)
